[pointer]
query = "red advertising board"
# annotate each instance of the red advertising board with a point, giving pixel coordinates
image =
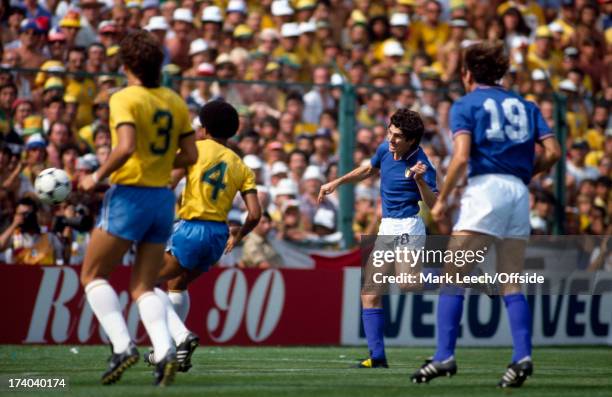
(46, 305)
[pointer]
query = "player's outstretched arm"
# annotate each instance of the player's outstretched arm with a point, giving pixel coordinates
(188, 152)
(357, 175)
(456, 169)
(126, 145)
(550, 155)
(253, 215)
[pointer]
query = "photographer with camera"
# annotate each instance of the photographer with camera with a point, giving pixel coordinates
(28, 243)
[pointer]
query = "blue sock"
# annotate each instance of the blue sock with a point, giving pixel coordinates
(374, 327)
(520, 325)
(450, 309)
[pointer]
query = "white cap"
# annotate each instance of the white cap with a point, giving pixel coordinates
(290, 29)
(555, 27)
(183, 15)
(234, 216)
(399, 19)
(212, 14)
(568, 85)
(308, 27)
(197, 46)
(196, 123)
(252, 161)
(393, 48)
(157, 23)
(427, 111)
(336, 79)
(324, 217)
(458, 23)
(291, 203)
(538, 75)
(285, 187)
(313, 172)
(519, 41)
(281, 8)
(236, 6)
(269, 34)
(279, 167)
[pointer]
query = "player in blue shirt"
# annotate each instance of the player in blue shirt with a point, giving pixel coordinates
(495, 132)
(406, 177)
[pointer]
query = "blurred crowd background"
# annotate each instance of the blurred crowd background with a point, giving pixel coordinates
(283, 65)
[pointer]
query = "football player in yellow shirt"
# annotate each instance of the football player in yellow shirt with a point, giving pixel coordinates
(201, 235)
(149, 124)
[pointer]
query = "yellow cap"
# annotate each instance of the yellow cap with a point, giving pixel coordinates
(272, 66)
(609, 35)
(454, 4)
(405, 2)
(72, 19)
(112, 50)
(242, 31)
(305, 4)
(54, 83)
(430, 73)
(48, 66)
(68, 98)
(33, 125)
(543, 32)
(358, 18)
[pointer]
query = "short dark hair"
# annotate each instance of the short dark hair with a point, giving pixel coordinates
(28, 201)
(55, 99)
(486, 61)
(220, 119)
(299, 153)
(294, 96)
(141, 53)
(410, 123)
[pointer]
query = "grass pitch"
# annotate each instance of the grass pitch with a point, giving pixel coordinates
(313, 372)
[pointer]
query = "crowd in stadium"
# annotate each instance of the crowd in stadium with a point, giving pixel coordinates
(60, 65)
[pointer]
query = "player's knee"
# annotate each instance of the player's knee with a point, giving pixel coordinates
(137, 291)
(509, 289)
(371, 301)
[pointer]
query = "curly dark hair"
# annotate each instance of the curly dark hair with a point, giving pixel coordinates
(220, 119)
(487, 62)
(410, 123)
(141, 53)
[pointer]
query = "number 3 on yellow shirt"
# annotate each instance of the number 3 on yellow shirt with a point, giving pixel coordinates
(214, 176)
(163, 120)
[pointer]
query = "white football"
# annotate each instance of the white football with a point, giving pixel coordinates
(52, 186)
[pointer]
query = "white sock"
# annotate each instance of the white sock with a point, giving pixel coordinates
(153, 315)
(178, 331)
(180, 302)
(105, 304)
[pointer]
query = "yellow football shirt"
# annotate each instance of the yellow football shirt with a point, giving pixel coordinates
(161, 118)
(213, 181)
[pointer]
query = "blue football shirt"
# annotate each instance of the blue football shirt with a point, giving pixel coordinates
(504, 129)
(400, 193)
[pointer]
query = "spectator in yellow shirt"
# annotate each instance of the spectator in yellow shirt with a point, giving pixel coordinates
(430, 33)
(83, 88)
(541, 55)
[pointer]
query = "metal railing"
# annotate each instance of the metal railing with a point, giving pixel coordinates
(347, 128)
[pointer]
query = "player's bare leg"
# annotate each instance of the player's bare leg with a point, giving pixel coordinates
(103, 254)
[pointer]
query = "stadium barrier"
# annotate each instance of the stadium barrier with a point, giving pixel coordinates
(320, 306)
